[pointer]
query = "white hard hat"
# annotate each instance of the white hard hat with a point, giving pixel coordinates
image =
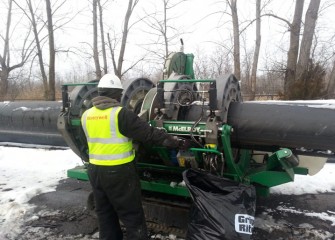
(110, 81)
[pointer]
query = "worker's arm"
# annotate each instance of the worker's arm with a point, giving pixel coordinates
(131, 126)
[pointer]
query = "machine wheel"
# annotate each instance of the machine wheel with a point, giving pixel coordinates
(228, 90)
(81, 98)
(134, 93)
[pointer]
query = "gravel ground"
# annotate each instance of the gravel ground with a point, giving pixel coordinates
(63, 215)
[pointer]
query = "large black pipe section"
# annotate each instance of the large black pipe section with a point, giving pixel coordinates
(32, 122)
(256, 125)
(282, 125)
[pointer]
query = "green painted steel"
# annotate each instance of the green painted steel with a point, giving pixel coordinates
(300, 170)
(166, 187)
(79, 173)
(188, 80)
(151, 166)
(75, 122)
(80, 84)
(232, 166)
(189, 65)
(278, 168)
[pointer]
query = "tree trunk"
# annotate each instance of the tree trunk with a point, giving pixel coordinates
(117, 65)
(112, 51)
(39, 51)
(52, 54)
(166, 41)
(6, 48)
(95, 41)
(124, 38)
(103, 48)
(331, 84)
(257, 48)
(307, 38)
(4, 59)
(293, 51)
(4, 73)
(237, 62)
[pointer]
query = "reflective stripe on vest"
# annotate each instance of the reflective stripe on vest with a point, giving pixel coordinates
(107, 146)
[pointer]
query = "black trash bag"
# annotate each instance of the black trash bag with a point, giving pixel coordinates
(222, 208)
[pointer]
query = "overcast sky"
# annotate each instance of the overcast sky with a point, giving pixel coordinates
(202, 24)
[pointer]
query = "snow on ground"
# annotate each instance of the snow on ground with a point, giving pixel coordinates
(323, 181)
(330, 104)
(26, 172)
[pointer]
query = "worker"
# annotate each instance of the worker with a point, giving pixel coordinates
(109, 130)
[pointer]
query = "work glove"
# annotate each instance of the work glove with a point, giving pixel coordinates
(175, 142)
(184, 144)
(171, 142)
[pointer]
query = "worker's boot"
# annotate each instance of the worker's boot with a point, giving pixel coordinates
(139, 233)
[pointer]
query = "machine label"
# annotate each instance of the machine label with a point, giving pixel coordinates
(183, 129)
(244, 223)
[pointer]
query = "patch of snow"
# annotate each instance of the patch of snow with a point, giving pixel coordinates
(173, 184)
(323, 181)
(303, 231)
(182, 184)
(25, 173)
(330, 104)
(323, 216)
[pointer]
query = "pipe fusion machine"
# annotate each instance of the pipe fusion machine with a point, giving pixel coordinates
(263, 144)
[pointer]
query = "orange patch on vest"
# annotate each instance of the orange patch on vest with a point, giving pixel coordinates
(97, 117)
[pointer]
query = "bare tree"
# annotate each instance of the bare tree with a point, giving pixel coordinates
(257, 48)
(246, 62)
(95, 40)
(297, 67)
(307, 38)
(38, 24)
(102, 36)
(38, 47)
(131, 5)
(292, 54)
(301, 71)
(236, 33)
(161, 28)
(118, 65)
(5, 62)
(331, 84)
(52, 54)
(214, 64)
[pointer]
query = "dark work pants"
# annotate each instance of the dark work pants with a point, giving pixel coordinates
(117, 195)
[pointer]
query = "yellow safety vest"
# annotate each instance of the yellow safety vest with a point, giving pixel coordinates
(106, 145)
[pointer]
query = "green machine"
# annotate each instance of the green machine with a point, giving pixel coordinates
(263, 144)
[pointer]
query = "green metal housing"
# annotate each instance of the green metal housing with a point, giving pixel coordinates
(238, 165)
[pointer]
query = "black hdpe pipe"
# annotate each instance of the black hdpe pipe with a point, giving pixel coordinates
(30, 122)
(282, 125)
(256, 125)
